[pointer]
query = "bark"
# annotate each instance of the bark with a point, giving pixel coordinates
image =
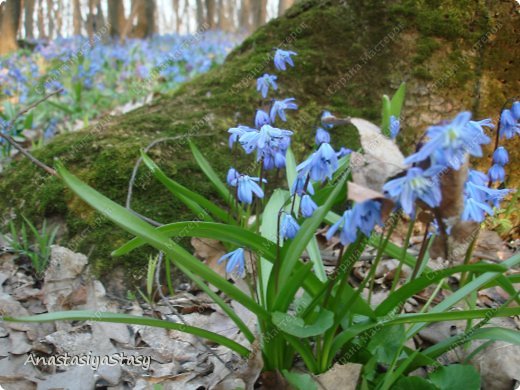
(210, 14)
(41, 21)
(50, 18)
(145, 12)
(200, 15)
(29, 19)
(9, 23)
(116, 17)
(283, 5)
(76, 17)
(245, 15)
(225, 15)
(59, 18)
(259, 13)
(177, 14)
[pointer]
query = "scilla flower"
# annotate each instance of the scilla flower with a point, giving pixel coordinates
(449, 143)
(515, 110)
(268, 140)
(307, 206)
(500, 156)
(261, 118)
(322, 136)
(298, 185)
(508, 124)
(282, 57)
(235, 260)
(395, 126)
(348, 233)
(289, 227)
(236, 132)
(247, 186)
(416, 184)
(264, 82)
(496, 173)
(325, 116)
(321, 164)
(232, 177)
(475, 211)
(279, 108)
(343, 152)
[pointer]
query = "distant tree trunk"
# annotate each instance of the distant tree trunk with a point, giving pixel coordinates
(145, 12)
(41, 21)
(210, 14)
(283, 5)
(29, 19)
(100, 17)
(90, 21)
(59, 18)
(259, 13)
(200, 15)
(50, 18)
(76, 17)
(177, 12)
(245, 15)
(116, 17)
(225, 15)
(9, 23)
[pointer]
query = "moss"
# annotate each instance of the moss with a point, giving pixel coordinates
(337, 68)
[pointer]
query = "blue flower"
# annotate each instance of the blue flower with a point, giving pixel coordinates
(247, 186)
(263, 83)
(363, 216)
(395, 126)
(282, 57)
(280, 106)
(289, 227)
(515, 110)
(270, 143)
(236, 260)
(508, 124)
(343, 152)
(449, 143)
(497, 173)
(237, 132)
(322, 136)
(326, 115)
(298, 185)
(307, 206)
(475, 211)
(321, 164)
(417, 184)
(500, 156)
(348, 232)
(261, 118)
(232, 177)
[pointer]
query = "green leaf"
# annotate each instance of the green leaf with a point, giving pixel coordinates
(414, 383)
(419, 284)
(492, 333)
(293, 251)
(385, 123)
(295, 326)
(396, 104)
(134, 225)
(456, 377)
(212, 176)
(85, 315)
(384, 344)
(197, 203)
(300, 381)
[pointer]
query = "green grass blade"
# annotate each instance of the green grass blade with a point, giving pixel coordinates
(85, 315)
(134, 225)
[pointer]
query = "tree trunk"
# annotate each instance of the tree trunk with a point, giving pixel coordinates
(50, 19)
(145, 12)
(59, 18)
(116, 17)
(9, 23)
(225, 15)
(259, 13)
(283, 5)
(200, 15)
(29, 19)
(177, 12)
(76, 17)
(41, 21)
(210, 14)
(245, 15)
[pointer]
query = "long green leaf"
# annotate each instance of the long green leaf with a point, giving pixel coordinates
(198, 203)
(419, 284)
(138, 227)
(212, 176)
(85, 315)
